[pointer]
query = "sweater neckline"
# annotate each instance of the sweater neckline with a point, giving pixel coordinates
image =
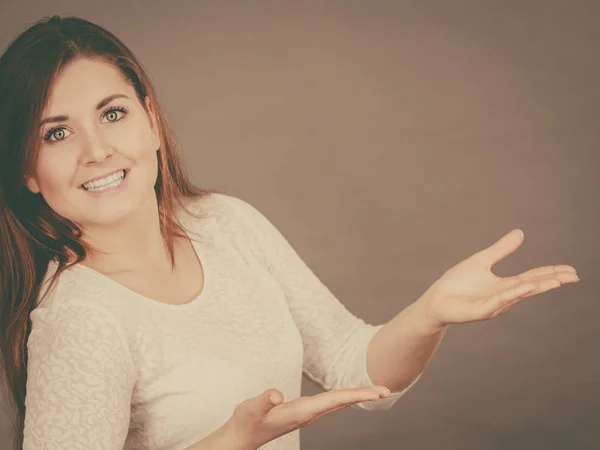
(207, 284)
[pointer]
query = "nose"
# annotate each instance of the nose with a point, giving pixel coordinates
(95, 149)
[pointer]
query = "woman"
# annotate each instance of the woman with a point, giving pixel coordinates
(144, 313)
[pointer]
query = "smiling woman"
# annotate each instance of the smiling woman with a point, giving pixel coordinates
(140, 311)
(88, 146)
(86, 151)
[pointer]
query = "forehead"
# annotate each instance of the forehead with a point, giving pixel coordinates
(82, 83)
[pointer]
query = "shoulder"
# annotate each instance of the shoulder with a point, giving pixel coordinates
(219, 204)
(77, 326)
(79, 295)
(227, 212)
(77, 311)
(227, 218)
(72, 285)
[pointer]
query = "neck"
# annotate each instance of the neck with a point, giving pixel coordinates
(132, 244)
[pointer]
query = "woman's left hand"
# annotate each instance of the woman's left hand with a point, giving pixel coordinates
(470, 292)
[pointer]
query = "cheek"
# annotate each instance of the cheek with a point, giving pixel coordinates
(134, 140)
(55, 172)
(55, 175)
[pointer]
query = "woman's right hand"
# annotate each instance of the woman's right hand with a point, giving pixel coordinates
(266, 417)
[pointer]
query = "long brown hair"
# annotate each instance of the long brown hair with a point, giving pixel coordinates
(31, 233)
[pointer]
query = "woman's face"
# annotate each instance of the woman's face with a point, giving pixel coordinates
(94, 130)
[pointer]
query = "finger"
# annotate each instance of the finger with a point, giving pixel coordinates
(346, 406)
(324, 413)
(305, 410)
(506, 308)
(265, 402)
(546, 283)
(330, 411)
(564, 277)
(376, 390)
(344, 397)
(545, 270)
(506, 299)
(512, 303)
(275, 397)
(308, 407)
(500, 249)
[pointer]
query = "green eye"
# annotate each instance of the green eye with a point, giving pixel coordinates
(57, 132)
(115, 113)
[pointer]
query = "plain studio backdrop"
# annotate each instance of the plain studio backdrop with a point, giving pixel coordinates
(388, 141)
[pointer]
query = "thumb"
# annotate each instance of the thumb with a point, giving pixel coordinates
(503, 247)
(268, 399)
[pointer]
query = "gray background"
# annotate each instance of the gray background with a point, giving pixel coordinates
(388, 141)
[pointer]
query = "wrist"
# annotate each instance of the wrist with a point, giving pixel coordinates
(224, 437)
(425, 320)
(231, 438)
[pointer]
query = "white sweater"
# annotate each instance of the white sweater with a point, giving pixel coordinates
(111, 369)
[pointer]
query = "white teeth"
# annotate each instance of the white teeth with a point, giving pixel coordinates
(104, 183)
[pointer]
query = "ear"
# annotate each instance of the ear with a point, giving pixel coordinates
(32, 185)
(152, 116)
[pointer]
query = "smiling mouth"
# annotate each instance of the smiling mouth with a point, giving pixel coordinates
(107, 182)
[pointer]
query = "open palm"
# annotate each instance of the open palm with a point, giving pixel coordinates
(469, 291)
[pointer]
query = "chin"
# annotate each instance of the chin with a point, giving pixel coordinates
(112, 211)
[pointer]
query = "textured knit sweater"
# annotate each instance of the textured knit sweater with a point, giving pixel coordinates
(111, 369)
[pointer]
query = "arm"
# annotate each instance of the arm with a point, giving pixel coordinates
(223, 438)
(80, 377)
(400, 350)
(335, 341)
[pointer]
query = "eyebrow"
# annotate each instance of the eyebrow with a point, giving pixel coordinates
(105, 101)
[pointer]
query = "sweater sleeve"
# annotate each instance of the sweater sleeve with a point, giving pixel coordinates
(335, 341)
(80, 377)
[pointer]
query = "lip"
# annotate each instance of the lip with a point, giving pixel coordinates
(104, 176)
